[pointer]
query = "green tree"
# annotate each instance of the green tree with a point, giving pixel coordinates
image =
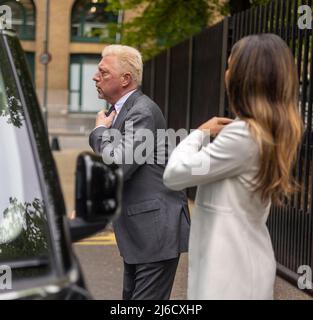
(236, 6)
(259, 2)
(163, 23)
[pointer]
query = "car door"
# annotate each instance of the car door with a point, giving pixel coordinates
(36, 259)
(36, 256)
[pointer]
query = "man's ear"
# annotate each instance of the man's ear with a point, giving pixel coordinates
(126, 79)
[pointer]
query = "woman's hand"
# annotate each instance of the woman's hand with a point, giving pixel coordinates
(215, 125)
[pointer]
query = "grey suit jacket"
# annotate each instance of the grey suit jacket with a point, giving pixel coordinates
(154, 223)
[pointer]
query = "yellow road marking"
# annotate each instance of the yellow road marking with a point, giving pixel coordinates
(95, 243)
(104, 240)
(108, 237)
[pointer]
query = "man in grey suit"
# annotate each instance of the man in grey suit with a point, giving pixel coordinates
(153, 228)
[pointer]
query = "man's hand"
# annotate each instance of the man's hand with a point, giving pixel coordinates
(215, 125)
(103, 120)
(72, 215)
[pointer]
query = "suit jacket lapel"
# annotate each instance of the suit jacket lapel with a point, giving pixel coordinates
(126, 107)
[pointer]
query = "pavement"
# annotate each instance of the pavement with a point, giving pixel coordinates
(99, 256)
(103, 270)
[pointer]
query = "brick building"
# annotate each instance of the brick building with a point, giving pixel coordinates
(76, 28)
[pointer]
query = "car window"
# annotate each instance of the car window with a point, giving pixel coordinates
(23, 223)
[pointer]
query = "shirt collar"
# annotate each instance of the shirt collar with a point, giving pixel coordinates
(119, 104)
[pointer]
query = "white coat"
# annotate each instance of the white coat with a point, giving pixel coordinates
(230, 250)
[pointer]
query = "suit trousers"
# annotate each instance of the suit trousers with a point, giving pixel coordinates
(149, 281)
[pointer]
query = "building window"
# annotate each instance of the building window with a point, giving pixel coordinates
(30, 58)
(90, 21)
(23, 17)
(83, 96)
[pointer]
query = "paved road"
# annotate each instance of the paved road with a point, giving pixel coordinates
(103, 268)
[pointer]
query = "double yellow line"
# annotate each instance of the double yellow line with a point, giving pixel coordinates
(107, 239)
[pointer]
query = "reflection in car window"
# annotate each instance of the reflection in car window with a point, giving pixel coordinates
(23, 225)
(10, 106)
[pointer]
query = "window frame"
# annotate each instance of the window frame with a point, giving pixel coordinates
(31, 62)
(80, 58)
(82, 22)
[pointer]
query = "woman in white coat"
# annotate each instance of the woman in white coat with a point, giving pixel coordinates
(245, 169)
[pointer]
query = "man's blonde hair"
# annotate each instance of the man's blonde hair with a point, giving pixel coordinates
(129, 59)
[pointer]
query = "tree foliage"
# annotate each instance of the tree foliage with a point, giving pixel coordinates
(161, 24)
(259, 2)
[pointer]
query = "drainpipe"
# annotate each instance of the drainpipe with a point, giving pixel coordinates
(120, 22)
(46, 50)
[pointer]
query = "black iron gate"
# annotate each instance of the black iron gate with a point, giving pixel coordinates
(187, 81)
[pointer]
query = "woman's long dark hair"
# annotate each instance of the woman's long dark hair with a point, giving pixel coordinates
(263, 90)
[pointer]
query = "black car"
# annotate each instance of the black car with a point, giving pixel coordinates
(36, 256)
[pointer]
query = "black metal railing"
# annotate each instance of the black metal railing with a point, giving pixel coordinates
(290, 226)
(187, 81)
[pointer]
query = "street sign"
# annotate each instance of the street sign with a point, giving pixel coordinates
(45, 58)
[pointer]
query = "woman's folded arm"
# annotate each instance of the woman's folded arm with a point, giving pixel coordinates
(195, 162)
